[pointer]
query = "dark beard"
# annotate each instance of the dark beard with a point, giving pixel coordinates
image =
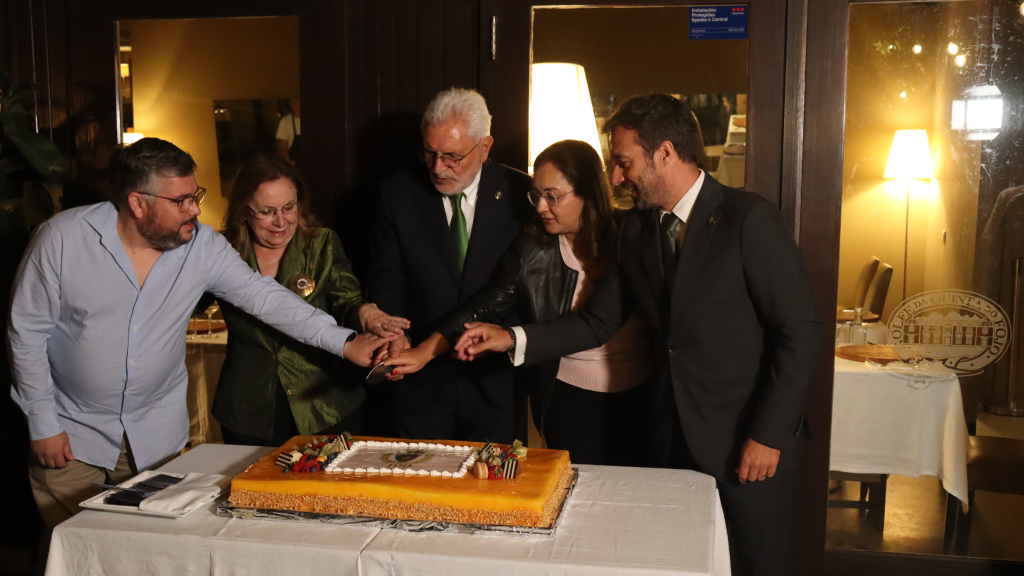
(640, 204)
(164, 241)
(651, 189)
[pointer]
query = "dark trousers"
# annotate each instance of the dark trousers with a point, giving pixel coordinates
(597, 427)
(283, 427)
(460, 410)
(759, 515)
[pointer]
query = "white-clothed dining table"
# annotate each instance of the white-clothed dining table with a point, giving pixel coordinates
(732, 170)
(635, 520)
(900, 421)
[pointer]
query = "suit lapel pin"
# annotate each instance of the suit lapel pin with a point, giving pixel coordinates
(497, 195)
(711, 219)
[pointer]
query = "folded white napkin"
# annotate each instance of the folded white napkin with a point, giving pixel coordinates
(192, 492)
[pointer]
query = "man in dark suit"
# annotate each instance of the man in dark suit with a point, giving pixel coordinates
(716, 277)
(440, 233)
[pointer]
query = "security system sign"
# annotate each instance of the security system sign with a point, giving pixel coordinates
(718, 23)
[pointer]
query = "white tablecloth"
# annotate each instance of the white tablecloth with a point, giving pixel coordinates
(640, 521)
(899, 422)
(732, 170)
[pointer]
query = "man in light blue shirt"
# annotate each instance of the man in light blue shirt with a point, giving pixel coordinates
(98, 316)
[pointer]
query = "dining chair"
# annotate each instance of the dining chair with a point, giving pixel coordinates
(860, 290)
(874, 301)
(993, 465)
(872, 495)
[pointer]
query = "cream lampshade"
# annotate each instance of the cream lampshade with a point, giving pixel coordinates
(910, 156)
(560, 107)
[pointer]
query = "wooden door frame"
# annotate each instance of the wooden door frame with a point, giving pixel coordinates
(819, 215)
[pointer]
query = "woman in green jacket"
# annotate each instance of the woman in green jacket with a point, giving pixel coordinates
(273, 387)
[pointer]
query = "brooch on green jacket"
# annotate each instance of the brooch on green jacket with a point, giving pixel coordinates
(303, 284)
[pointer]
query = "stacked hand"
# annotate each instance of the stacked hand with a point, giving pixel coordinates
(375, 321)
(363, 348)
(480, 338)
(409, 360)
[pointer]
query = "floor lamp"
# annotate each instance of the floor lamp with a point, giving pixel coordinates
(910, 158)
(560, 107)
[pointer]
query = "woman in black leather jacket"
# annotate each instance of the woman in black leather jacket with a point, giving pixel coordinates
(591, 403)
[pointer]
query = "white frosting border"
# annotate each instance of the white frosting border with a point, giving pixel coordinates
(337, 466)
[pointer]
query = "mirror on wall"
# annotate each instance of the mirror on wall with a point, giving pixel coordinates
(583, 67)
(927, 452)
(221, 89)
(249, 127)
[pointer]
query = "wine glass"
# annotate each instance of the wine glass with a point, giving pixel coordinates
(209, 319)
(192, 332)
(858, 331)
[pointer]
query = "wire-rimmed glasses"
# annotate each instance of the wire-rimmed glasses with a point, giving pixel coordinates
(430, 157)
(185, 203)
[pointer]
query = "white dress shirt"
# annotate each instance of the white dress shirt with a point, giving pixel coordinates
(468, 203)
(685, 204)
(682, 211)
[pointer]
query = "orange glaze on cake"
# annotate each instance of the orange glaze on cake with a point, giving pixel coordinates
(531, 499)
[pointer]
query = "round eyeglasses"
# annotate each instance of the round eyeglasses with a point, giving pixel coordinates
(535, 197)
(185, 203)
(271, 213)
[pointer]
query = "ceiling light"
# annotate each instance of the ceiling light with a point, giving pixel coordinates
(984, 114)
(960, 59)
(903, 94)
(953, 48)
(958, 116)
(980, 113)
(917, 48)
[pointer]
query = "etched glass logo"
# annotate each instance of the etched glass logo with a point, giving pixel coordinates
(965, 331)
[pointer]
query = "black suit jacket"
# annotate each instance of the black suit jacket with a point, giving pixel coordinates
(416, 275)
(736, 339)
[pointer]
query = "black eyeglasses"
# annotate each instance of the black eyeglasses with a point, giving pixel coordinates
(184, 204)
(450, 160)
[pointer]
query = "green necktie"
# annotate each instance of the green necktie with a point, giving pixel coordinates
(460, 236)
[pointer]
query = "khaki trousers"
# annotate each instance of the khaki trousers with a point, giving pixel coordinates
(58, 491)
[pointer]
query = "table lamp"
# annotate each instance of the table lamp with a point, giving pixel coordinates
(560, 107)
(910, 158)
